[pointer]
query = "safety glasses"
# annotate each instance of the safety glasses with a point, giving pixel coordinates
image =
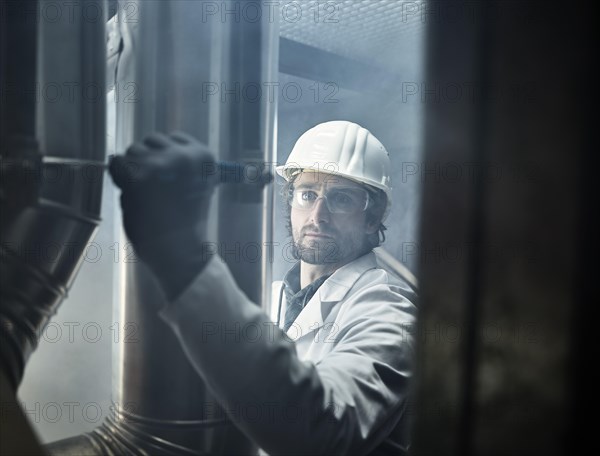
(341, 200)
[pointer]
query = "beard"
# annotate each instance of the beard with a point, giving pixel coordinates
(334, 249)
(317, 251)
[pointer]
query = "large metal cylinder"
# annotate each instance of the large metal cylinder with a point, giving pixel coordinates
(175, 61)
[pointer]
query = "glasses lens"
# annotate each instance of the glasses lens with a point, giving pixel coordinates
(339, 201)
(304, 199)
(347, 201)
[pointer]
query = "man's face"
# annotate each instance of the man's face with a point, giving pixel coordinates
(325, 237)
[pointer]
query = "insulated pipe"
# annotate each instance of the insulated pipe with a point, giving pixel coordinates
(18, 57)
(53, 149)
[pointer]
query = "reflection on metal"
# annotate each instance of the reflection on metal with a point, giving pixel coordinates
(168, 55)
(114, 48)
(52, 156)
(268, 116)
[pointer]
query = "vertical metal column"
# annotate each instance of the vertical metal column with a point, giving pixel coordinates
(167, 54)
(248, 108)
(174, 55)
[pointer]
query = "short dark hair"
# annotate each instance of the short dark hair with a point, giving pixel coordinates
(375, 210)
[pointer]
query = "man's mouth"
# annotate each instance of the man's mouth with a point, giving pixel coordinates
(318, 234)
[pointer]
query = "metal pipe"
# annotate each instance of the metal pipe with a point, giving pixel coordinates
(49, 203)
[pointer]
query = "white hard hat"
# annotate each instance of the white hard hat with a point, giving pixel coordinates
(344, 149)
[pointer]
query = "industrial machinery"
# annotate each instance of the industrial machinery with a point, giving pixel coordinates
(53, 158)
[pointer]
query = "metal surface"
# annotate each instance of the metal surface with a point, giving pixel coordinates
(49, 200)
(161, 404)
(152, 379)
(53, 142)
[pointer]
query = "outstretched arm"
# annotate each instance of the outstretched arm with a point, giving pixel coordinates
(347, 403)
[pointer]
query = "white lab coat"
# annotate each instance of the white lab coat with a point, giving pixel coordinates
(336, 384)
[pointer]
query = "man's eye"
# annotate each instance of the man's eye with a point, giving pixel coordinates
(308, 195)
(341, 198)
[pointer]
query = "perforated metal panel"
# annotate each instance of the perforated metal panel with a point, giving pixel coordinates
(376, 31)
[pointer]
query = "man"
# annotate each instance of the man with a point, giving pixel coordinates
(337, 382)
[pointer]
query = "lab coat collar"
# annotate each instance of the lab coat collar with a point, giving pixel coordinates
(292, 279)
(333, 290)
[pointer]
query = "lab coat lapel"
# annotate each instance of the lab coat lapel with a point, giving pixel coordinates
(333, 290)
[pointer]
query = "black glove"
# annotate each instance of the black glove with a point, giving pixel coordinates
(166, 184)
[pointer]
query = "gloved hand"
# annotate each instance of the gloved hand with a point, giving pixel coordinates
(166, 184)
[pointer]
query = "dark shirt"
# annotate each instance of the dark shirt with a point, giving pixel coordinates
(298, 298)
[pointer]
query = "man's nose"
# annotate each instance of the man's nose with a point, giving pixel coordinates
(320, 212)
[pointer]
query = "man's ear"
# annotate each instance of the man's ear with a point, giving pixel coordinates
(372, 226)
